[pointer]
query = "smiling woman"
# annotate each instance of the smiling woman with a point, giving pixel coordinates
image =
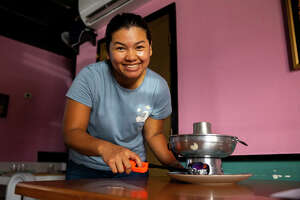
(115, 105)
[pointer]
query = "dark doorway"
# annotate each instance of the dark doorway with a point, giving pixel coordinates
(164, 59)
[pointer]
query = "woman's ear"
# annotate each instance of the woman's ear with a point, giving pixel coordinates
(107, 54)
(150, 49)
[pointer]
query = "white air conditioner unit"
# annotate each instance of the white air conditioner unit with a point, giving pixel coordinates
(97, 13)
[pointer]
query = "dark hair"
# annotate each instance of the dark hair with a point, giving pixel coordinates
(125, 20)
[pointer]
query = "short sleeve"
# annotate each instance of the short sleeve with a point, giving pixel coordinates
(162, 103)
(81, 88)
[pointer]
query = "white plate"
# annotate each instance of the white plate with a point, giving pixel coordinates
(209, 179)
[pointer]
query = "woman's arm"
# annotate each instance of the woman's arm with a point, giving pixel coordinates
(153, 131)
(75, 125)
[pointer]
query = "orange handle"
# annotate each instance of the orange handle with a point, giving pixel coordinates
(142, 169)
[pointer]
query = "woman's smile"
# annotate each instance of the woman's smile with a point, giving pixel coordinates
(131, 67)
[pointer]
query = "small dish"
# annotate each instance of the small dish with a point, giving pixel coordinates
(209, 179)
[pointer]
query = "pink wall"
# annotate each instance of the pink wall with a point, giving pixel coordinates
(233, 71)
(31, 125)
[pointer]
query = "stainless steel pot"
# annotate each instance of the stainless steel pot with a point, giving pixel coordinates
(202, 143)
(208, 145)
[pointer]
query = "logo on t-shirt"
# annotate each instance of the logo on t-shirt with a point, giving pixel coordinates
(143, 112)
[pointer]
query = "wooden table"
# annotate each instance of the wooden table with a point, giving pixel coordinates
(158, 188)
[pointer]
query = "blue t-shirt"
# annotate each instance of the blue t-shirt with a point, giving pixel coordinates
(118, 114)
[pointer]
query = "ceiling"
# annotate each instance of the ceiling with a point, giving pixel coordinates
(39, 22)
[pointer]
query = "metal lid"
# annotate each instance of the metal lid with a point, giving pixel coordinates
(201, 128)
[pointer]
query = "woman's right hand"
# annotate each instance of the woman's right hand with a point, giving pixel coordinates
(75, 125)
(117, 158)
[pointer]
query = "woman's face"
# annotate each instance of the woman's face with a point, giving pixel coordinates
(129, 53)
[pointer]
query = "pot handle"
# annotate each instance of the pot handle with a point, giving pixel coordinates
(240, 141)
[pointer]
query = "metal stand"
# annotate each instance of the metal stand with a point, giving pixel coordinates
(215, 164)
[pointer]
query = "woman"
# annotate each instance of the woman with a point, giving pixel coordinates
(113, 106)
